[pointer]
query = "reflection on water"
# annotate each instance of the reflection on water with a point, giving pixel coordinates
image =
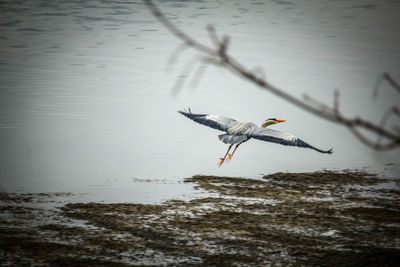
(86, 89)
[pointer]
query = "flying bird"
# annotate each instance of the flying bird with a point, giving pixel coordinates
(240, 132)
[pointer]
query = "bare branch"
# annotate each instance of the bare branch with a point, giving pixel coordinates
(374, 145)
(392, 82)
(317, 104)
(199, 73)
(392, 111)
(184, 75)
(259, 72)
(212, 61)
(176, 53)
(336, 103)
(213, 35)
(389, 112)
(176, 31)
(219, 56)
(385, 76)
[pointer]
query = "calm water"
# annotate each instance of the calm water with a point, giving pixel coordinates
(86, 102)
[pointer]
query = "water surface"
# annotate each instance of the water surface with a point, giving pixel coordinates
(86, 89)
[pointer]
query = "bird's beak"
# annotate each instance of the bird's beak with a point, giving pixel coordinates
(280, 120)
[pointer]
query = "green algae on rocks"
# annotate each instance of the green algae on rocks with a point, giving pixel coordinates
(326, 218)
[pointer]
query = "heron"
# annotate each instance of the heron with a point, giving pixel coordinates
(239, 132)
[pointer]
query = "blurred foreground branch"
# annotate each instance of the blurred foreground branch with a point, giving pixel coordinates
(218, 55)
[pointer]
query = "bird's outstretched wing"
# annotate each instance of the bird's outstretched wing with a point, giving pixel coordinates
(214, 121)
(286, 139)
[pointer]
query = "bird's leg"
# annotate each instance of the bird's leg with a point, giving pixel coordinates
(221, 160)
(231, 155)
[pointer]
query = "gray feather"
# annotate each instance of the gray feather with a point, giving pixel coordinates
(214, 121)
(232, 139)
(286, 139)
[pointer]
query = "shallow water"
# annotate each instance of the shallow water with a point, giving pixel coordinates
(86, 89)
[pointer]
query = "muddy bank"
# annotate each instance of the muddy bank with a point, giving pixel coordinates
(347, 218)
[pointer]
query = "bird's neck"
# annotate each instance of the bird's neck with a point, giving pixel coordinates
(266, 124)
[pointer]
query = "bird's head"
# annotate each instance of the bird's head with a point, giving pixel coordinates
(270, 121)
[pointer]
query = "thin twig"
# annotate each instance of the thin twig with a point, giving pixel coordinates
(392, 111)
(176, 31)
(374, 145)
(392, 82)
(176, 53)
(385, 76)
(336, 103)
(185, 73)
(213, 35)
(198, 74)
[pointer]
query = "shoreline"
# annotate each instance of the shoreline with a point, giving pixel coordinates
(325, 218)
